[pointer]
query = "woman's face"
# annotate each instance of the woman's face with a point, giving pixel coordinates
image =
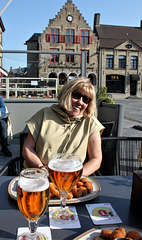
(79, 102)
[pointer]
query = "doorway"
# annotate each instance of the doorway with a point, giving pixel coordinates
(133, 87)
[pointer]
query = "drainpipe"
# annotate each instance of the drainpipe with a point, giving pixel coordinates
(83, 64)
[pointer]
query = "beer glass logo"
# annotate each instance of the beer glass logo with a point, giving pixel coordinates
(19, 191)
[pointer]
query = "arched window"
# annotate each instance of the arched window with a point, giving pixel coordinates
(122, 62)
(109, 61)
(134, 62)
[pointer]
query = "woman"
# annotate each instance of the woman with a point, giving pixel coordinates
(3, 130)
(70, 126)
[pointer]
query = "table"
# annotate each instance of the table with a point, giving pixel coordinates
(115, 190)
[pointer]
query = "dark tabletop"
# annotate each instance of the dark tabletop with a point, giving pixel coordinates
(115, 190)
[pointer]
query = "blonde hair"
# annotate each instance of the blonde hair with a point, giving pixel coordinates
(78, 84)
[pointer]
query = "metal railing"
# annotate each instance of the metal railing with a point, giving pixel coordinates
(83, 55)
(121, 155)
(29, 87)
(6, 88)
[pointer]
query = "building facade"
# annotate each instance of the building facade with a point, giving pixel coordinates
(120, 57)
(68, 32)
(3, 72)
(114, 53)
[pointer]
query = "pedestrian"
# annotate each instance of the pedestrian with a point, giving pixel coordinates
(3, 130)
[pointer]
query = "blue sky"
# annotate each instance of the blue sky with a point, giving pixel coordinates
(22, 18)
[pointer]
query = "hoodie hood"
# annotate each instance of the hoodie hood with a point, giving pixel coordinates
(64, 116)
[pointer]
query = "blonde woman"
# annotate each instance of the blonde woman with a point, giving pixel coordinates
(70, 126)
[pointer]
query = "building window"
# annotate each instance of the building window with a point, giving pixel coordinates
(85, 36)
(54, 57)
(128, 46)
(122, 62)
(69, 36)
(109, 61)
(87, 52)
(69, 58)
(134, 62)
(54, 35)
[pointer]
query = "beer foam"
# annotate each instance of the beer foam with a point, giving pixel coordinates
(65, 165)
(33, 185)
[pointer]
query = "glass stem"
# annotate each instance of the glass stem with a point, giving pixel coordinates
(63, 197)
(32, 226)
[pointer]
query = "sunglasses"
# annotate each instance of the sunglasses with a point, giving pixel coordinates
(78, 95)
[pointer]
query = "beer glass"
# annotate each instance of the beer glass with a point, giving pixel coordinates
(32, 199)
(65, 170)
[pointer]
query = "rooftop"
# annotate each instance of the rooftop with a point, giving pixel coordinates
(111, 36)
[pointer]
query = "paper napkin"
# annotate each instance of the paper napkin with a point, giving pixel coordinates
(44, 230)
(103, 213)
(72, 220)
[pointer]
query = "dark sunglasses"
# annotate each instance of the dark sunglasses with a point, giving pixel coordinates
(78, 95)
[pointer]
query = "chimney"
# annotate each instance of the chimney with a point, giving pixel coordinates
(97, 19)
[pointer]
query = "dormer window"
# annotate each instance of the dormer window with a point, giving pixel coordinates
(128, 46)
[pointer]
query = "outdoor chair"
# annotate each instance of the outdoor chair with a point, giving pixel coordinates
(120, 155)
(15, 165)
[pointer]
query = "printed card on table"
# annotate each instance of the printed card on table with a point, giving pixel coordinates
(103, 213)
(71, 220)
(44, 230)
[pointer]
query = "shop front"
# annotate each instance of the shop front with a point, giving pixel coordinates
(115, 83)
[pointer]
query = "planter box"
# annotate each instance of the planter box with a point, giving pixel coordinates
(112, 113)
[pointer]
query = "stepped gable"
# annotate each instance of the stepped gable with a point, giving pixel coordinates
(68, 8)
(2, 25)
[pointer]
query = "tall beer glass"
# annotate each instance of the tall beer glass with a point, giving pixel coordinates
(65, 170)
(32, 198)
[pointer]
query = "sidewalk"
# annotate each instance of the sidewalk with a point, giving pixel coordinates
(121, 96)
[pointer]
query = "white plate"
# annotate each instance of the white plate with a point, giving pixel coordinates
(96, 189)
(90, 234)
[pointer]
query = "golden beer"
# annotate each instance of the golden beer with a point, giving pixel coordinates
(32, 197)
(65, 173)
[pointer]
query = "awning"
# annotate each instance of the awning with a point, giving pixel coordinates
(134, 77)
(3, 71)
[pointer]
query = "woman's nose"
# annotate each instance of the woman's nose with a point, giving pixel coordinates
(81, 100)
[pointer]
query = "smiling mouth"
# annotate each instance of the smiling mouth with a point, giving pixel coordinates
(77, 108)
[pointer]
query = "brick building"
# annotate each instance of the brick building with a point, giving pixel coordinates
(67, 32)
(114, 53)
